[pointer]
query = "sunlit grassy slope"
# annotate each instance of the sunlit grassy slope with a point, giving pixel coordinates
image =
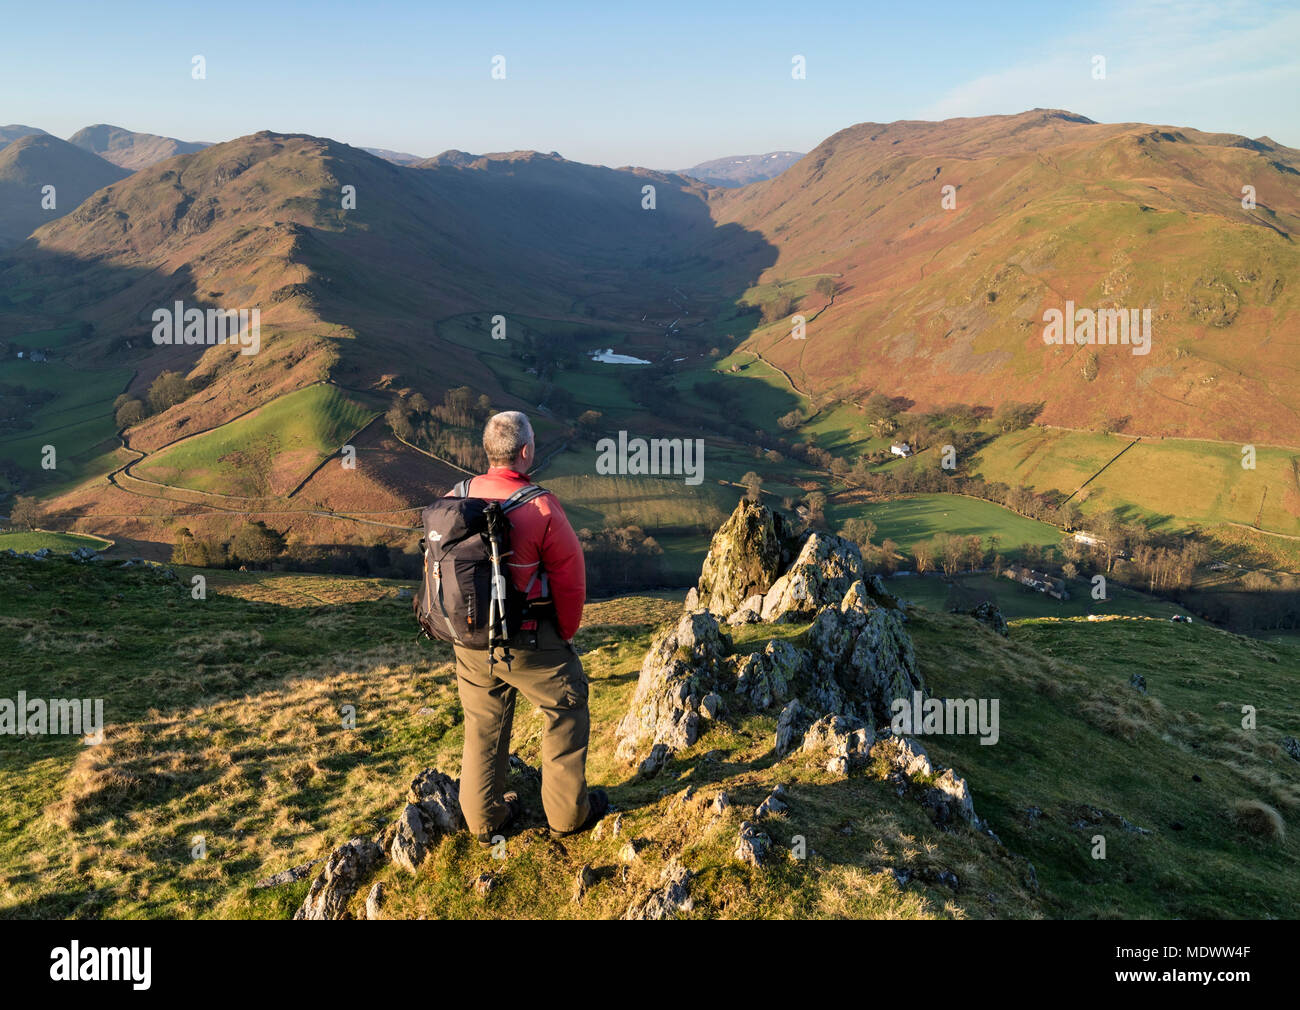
(226, 726)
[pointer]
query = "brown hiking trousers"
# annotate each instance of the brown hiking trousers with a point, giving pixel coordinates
(552, 678)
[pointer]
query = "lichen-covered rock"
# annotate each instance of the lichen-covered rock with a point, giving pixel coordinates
(764, 678)
(787, 726)
(745, 558)
(438, 797)
(680, 667)
(957, 794)
(411, 842)
(904, 755)
(821, 574)
(840, 737)
(751, 845)
(345, 870)
(771, 806)
(863, 657)
(654, 761)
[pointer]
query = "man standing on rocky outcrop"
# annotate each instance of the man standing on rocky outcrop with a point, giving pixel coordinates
(547, 565)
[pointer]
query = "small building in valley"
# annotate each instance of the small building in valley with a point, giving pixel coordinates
(1040, 582)
(901, 449)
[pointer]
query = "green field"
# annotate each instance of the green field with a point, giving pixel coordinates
(937, 592)
(285, 440)
(1175, 482)
(34, 540)
(910, 520)
(78, 421)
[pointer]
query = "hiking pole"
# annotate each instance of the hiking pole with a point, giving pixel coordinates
(497, 606)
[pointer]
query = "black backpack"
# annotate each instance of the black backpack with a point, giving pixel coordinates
(467, 596)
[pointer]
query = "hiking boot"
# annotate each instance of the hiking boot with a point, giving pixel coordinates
(598, 807)
(514, 808)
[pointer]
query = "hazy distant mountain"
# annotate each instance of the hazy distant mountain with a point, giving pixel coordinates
(396, 157)
(743, 168)
(128, 149)
(10, 133)
(35, 161)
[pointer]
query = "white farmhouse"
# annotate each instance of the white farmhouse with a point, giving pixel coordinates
(901, 449)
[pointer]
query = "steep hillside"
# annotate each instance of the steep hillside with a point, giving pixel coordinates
(37, 160)
(128, 149)
(946, 305)
(350, 295)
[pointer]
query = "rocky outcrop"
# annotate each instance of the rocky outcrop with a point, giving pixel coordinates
(820, 576)
(345, 870)
(766, 678)
(845, 744)
(433, 809)
(862, 656)
(670, 898)
(988, 614)
(853, 661)
(679, 670)
(751, 845)
(744, 559)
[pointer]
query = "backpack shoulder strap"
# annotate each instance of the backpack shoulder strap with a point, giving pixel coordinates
(522, 497)
(461, 490)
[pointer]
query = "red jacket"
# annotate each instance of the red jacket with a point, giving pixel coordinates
(541, 542)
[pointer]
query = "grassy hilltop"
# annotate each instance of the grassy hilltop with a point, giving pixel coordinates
(226, 721)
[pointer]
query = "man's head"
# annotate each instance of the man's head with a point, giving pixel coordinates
(508, 441)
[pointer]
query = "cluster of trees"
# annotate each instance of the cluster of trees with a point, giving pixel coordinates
(953, 553)
(169, 389)
(621, 558)
(882, 558)
(256, 545)
(451, 429)
(253, 544)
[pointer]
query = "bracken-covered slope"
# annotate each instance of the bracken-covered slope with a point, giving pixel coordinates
(946, 305)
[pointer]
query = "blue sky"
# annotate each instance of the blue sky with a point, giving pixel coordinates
(664, 85)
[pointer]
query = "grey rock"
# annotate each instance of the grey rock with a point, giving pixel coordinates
(988, 614)
(904, 755)
(655, 761)
(438, 796)
(484, 884)
(673, 896)
(375, 901)
(787, 726)
(345, 868)
(771, 806)
(1138, 683)
(862, 657)
(411, 841)
(1292, 746)
(711, 705)
(682, 663)
(764, 678)
(744, 559)
(820, 576)
(288, 876)
(751, 845)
